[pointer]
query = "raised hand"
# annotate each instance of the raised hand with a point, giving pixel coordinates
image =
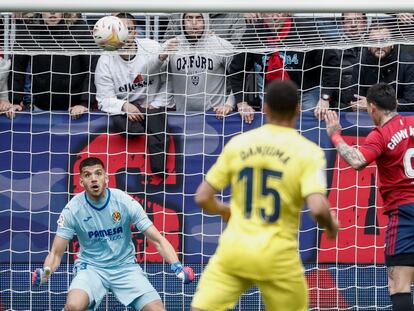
(169, 46)
(360, 104)
(332, 123)
(321, 108)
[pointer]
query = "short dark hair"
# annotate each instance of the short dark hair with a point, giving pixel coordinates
(91, 161)
(126, 15)
(383, 96)
(282, 97)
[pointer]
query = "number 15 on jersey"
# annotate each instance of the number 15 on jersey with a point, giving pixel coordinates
(247, 175)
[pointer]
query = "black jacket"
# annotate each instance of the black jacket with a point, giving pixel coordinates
(337, 70)
(397, 69)
(304, 68)
(58, 81)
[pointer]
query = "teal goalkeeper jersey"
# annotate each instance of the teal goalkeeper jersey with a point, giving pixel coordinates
(104, 232)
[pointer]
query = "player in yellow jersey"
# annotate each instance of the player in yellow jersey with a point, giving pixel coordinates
(272, 170)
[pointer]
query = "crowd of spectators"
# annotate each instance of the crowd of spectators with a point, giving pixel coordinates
(138, 87)
(190, 81)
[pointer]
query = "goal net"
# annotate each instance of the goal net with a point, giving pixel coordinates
(57, 80)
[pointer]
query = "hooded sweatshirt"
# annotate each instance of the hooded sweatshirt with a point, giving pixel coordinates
(138, 80)
(197, 80)
(229, 26)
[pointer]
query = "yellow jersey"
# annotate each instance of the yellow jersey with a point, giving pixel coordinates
(271, 171)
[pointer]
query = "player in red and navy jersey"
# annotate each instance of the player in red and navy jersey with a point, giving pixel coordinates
(391, 145)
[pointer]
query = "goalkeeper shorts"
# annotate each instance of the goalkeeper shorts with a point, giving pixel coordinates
(128, 283)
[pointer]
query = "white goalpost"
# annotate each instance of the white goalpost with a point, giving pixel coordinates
(41, 148)
(209, 6)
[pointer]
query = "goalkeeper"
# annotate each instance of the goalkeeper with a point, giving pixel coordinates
(101, 218)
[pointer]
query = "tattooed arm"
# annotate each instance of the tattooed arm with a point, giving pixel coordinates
(350, 154)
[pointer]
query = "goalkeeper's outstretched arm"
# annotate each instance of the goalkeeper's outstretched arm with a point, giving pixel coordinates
(166, 250)
(51, 263)
(55, 255)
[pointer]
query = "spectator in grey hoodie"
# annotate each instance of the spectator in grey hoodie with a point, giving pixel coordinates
(229, 26)
(196, 78)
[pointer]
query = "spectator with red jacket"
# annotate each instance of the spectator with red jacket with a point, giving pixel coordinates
(272, 32)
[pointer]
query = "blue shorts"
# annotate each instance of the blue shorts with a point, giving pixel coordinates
(128, 283)
(399, 240)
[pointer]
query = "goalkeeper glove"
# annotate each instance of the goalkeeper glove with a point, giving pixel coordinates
(186, 274)
(40, 276)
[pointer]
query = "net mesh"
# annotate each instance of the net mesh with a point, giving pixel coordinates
(40, 149)
(28, 33)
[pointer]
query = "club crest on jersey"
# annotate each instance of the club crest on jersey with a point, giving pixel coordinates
(116, 216)
(195, 80)
(61, 220)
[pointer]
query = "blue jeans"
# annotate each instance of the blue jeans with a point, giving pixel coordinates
(310, 99)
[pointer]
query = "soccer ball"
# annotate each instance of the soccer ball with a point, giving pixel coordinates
(110, 33)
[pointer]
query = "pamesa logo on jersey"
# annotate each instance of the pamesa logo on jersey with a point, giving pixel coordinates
(116, 216)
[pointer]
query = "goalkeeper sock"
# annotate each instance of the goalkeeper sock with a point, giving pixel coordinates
(402, 302)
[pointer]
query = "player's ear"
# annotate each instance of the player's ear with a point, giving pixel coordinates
(374, 109)
(106, 178)
(81, 182)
